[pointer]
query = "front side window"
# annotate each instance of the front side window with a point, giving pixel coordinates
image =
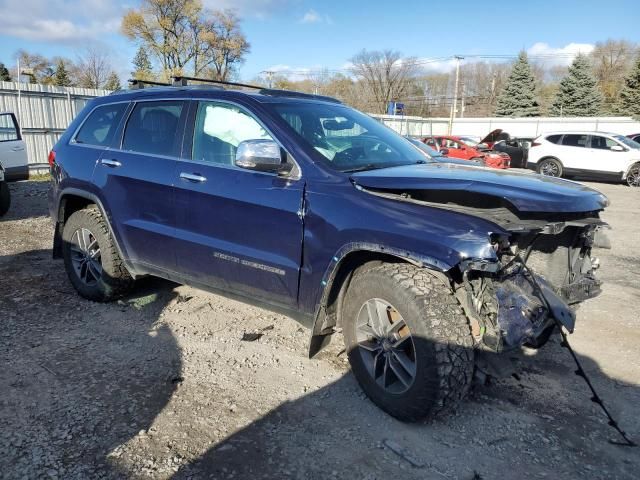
(153, 127)
(101, 124)
(574, 140)
(602, 143)
(627, 141)
(8, 128)
(219, 129)
(346, 139)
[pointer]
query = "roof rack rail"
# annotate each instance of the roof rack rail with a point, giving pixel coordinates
(135, 83)
(294, 94)
(183, 81)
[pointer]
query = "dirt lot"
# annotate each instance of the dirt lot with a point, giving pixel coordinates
(161, 384)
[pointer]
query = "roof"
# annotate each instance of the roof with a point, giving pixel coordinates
(263, 95)
(579, 132)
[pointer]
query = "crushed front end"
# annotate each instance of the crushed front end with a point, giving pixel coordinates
(542, 273)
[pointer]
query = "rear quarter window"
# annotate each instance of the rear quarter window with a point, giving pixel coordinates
(101, 124)
(554, 139)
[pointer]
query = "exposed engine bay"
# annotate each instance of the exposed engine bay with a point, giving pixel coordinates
(544, 268)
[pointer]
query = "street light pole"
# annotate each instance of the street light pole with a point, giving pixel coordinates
(455, 94)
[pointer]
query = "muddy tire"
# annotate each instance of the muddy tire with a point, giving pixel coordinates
(550, 167)
(91, 259)
(408, 341)
(5, 198)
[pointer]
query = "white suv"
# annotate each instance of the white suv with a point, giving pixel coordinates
(13, 151)
(605, 156)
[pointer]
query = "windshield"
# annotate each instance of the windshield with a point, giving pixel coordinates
(469, 141)
(627, 141)
(347, 139)
(427, 150)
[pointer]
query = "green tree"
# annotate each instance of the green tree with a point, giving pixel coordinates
(61, 76)
(113, 82)
(142, 68)
(4, 74)
(578, 95)
(518, 97)
(629, 100)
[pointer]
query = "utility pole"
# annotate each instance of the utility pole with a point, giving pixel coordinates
(455, 94)
(463, 89)
(269, 74)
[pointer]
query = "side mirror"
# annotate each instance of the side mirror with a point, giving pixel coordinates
(444, 151)
(617, 148)
(262, 156)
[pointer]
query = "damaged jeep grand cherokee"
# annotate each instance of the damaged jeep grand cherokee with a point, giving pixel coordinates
(305, 206)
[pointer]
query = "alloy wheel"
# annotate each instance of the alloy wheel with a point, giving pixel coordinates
(386, 346)
(633, 177)
(85, 256)
(550, 169)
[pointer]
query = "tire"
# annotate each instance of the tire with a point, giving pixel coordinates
(550, 167)
(633, 176)
(480, 160)
(101, 277)
(5, 198)
(437, 338)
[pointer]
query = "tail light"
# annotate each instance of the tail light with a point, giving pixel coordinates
(52, 158)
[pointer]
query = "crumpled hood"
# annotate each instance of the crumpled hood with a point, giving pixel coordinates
(526, 192)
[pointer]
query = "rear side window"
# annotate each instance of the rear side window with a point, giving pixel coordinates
(573, 140)
(153, 128)
(8, 129)
(554, 139)
(101, 124)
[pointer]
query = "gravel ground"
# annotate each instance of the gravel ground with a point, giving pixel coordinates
(160, 384)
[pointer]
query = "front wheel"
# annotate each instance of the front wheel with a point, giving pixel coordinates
(91, 259)
(408, 341)
(633, 177)
(550, 168)
(5, 198)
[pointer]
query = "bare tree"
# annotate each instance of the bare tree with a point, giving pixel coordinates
(611, 61)
(384, 75)
(93, 68)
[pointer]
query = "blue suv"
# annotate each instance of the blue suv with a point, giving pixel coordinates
(307, 207)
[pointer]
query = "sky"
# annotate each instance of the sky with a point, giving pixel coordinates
(292, 36)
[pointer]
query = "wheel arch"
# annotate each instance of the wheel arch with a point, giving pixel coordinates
(70, 201)
(336, 281)
(550, 157)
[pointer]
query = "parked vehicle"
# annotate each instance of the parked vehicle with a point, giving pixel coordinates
(466, 150)
(305, 206)
(440, 156)
(5, 194)
(598, 155)
(13, 151)
(516, 147)
(635, 137)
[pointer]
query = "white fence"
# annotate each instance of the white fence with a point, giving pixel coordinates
(517, 127)
(44, 112)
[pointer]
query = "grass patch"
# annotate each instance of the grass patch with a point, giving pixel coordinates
(39, 177)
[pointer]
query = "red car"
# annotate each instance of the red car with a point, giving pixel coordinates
(466, 149)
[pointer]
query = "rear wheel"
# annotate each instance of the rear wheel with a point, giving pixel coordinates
(550, 168)
(633, 176)
(92, 262)
(408, 341)
(5, 198)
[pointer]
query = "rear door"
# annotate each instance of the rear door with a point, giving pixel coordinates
(135, 182)
(574, 152)
(238, 230)
(13, 152)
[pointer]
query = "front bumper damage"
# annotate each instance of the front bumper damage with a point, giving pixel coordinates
(518, 300)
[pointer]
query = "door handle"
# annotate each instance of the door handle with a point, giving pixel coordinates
(193, 177)
(17, 149)
(111, 163)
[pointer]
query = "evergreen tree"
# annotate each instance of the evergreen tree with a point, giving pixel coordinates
(579, 95)
(142, 65)
(61, 76)
(4, 74)
(113, 82)
(629, 100)
(518, 97)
